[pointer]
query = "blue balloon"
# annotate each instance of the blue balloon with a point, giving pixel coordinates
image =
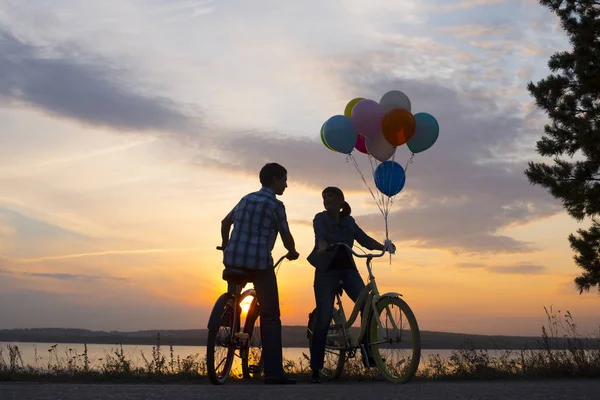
(390, 178)
(340, 134)
(426, 133)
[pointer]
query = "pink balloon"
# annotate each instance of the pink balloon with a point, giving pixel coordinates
(361, 145)
(367, 116)
(380, 149)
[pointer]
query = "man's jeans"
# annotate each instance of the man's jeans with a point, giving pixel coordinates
(265, 284)
(326, 284)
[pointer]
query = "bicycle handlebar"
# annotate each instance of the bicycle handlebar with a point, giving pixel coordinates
(333, 246)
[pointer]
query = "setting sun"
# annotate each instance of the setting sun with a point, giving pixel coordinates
(245, 304)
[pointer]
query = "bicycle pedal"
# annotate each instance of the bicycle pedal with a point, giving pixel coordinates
(253, 369)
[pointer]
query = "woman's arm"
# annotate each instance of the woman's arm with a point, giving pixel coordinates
(365, 240)
(320, 231)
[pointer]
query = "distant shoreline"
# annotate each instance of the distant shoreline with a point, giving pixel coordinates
(293, 337)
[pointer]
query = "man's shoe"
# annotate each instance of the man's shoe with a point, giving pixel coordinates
(315, 377)
(282, 380)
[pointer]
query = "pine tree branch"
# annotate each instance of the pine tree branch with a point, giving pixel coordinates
(585, 3)
(580, 179)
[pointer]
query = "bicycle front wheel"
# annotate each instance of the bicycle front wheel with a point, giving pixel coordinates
(396, 344)
(220, 346)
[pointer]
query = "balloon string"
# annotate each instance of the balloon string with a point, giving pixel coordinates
(389, 199)
(386, 201)
(373, 168)
(373, 163)
(350, 156)
(383, 204)
(410, 161)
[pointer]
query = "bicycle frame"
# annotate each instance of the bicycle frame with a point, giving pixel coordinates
(368, 298)
(237, 340)
(237, 296)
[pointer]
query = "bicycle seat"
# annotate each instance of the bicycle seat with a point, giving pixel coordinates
(236, 274)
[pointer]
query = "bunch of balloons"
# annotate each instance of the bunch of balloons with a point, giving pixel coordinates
(377, 129)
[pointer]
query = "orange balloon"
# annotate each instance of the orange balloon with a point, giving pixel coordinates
(398, 126)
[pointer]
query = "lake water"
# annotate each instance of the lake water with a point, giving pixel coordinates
(40, 355)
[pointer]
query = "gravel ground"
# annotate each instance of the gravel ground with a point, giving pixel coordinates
(424, 390)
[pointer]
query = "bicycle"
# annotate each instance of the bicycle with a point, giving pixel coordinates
(342, 344)
(224, 329)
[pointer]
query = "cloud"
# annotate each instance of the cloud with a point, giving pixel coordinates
(471, 265)
(469, 31)
(25, 236)
(182, 10)
(459, 194)
(464, 5)
(62, 276)
(519, 269)
(73, 277)
(25, 226)
(106, 253)
(307, 161)
(66, 82)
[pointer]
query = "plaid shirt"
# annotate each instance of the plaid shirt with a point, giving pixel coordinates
(257, 219)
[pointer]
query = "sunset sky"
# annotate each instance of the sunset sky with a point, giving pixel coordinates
(128, 129)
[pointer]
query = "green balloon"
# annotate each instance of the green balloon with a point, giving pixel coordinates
(323, 138)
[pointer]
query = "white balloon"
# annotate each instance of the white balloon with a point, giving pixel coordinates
(395, 99)
(379, 148)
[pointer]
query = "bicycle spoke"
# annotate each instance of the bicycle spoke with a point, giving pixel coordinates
(220, 348)
(396, 340)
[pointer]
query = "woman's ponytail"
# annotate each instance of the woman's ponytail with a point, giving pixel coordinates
(346, 209)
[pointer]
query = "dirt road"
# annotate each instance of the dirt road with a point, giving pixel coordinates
(544, 390)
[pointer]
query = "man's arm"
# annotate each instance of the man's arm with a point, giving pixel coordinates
(289, 244)
(286, 235)
(226, 228)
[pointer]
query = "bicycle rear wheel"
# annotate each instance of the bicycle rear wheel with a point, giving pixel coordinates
(220, 346)
(396, 346)
(335, 355)
(252, 361)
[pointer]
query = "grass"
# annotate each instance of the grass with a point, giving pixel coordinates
(575, 359)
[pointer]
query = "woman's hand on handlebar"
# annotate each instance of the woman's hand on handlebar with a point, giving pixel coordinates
(389, 246)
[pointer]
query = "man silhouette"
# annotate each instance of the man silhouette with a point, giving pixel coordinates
(257, 220)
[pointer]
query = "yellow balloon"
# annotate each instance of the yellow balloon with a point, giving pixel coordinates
(350, 106)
